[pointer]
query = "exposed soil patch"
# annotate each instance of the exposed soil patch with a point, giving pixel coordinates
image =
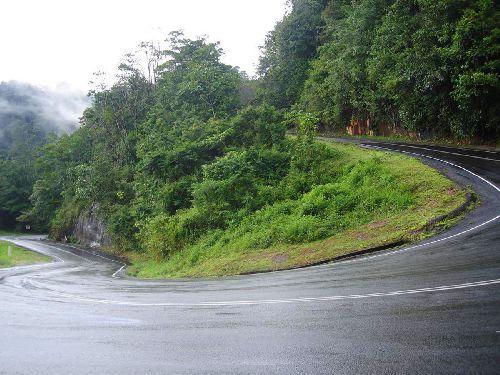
(309, 251)
(378, 224)
(361, 236)
(280, 258)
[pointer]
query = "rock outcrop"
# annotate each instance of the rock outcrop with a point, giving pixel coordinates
(90, 229)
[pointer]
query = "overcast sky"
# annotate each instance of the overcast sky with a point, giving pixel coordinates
(62, 42)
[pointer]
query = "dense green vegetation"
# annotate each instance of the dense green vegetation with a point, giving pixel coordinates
(29, 119)
(359, 199)
(22, 130)
(429, 66)
(190, 167)
(19, 256)
(183, 173)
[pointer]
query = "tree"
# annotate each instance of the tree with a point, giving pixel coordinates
(185, 127)
(287, 51)
(337, 87)
(153, 55)
(474, 60)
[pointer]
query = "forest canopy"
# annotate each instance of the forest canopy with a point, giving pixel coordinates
(427, 66)
(30, 117)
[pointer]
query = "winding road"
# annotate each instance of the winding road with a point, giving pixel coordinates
(432, 307)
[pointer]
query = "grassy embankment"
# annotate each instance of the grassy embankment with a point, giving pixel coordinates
(377, 198)
(19, 257)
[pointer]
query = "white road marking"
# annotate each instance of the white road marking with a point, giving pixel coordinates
(469, 149)
(364, 258)
(68, 252)
(440, 160)
(94, 254)
(40, 265)
(115, 275)
(443, 152)
(420, 245)
(283, 301)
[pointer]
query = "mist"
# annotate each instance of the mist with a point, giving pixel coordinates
(45, 110)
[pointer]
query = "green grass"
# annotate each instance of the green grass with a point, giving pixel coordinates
(376, 198)
(20, 256)
(4, 232)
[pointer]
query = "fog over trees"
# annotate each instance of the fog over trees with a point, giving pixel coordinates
(30, 117)
(28, 111)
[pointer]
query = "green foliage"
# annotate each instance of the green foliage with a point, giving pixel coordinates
(337, 87)
(286, 53)
(16, 182)
(59, 163)
(474, 58)
(408, 66)
(260, 125)
(194, 83)
(19, 256)
(27, 122)
(209, 176)
(306, 125)
(187, 126)
(162, 235)
(241, 180)
(21, 132)
(96, 163)
(370, 199)
(425, 66)
(122, 227)
(178, 169)
(362, 191)
(64, 220)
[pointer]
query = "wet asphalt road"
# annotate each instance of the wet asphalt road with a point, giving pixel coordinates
(429, 308)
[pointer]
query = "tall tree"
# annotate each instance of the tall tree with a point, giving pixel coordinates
(182, 132)
(337, 87)
(287, 50)
(474, 60)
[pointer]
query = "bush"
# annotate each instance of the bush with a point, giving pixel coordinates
(361, 192)
(240, 181)
(162, 235)
(64, 221)
(122, 228)
(262, 126)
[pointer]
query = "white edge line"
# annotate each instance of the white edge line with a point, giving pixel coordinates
(466, 148)
(283, 301)
(434, 241)
(433, 158)
(115, 275)
(94, 254)
(19, 243)
(368, 257)
(444, 152)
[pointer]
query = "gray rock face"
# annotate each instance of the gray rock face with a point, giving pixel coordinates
(90, 229)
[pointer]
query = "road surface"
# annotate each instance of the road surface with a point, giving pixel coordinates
(433, 307)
